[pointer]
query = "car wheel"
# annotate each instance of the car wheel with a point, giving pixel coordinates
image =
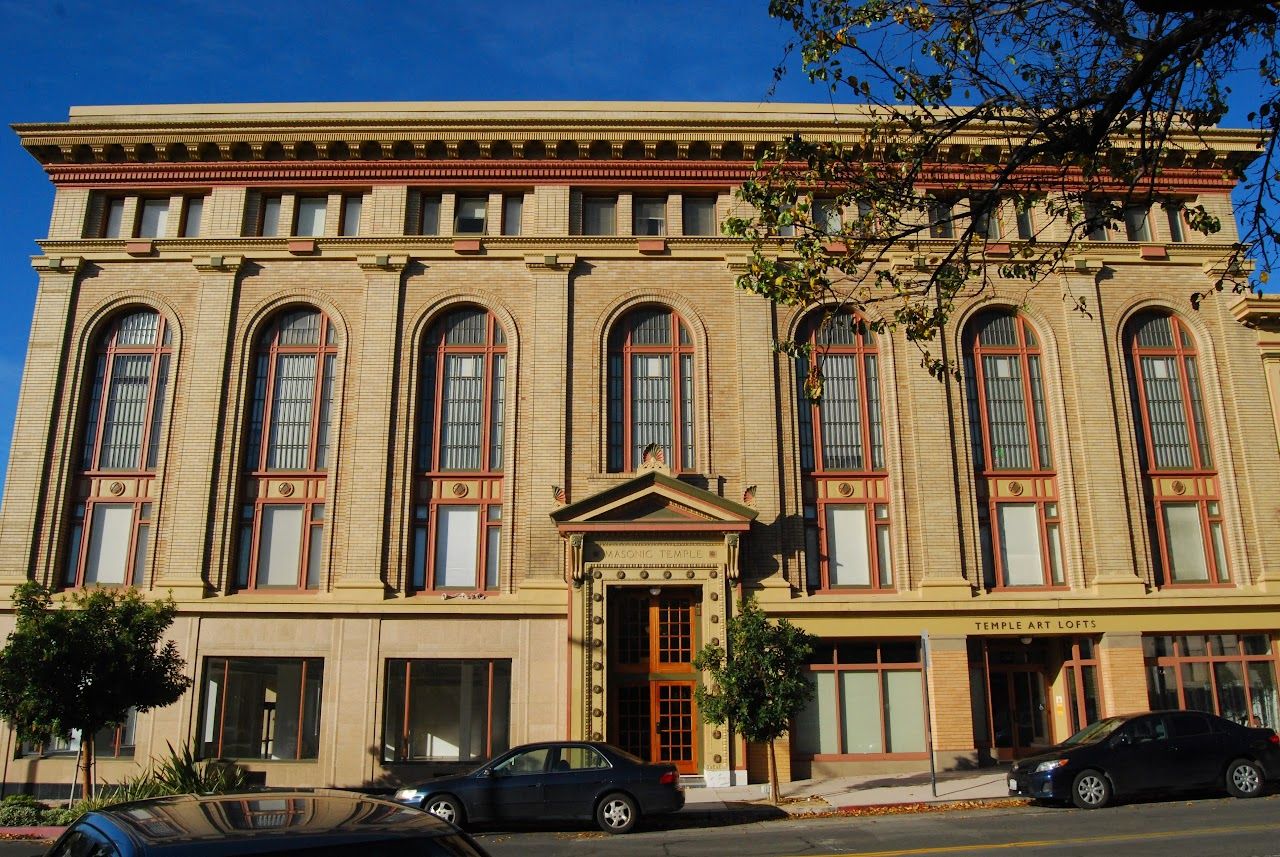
(1091, 790)
(446, 807)
(617, 813)
(1244, 779)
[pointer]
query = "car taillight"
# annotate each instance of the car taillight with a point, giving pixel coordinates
(667, 779)
(1273, 738)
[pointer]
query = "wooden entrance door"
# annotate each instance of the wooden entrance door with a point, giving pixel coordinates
(652, 710)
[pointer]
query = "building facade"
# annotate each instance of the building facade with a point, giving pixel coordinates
(447, 429)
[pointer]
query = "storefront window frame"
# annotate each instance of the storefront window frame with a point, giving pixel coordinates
(879, 667)
(404, 710)
(1210, 658)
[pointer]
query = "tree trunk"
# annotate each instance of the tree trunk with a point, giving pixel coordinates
(774, 797)
(86, 756)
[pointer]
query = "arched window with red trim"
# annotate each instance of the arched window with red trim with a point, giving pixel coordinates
(1018, 504)
(650, 395)
(1183, 494)
(842, 456)
(457, 528)
(287, 453)
(114, 506)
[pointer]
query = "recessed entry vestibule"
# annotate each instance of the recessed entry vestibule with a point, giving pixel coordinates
(1029, 693)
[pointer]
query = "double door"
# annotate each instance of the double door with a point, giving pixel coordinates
(653, 638)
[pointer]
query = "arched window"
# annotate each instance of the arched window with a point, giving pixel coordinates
(457, 529)
(1018, 515)
(113, 507)
(846, 487)
(287, 453)
(1184, 505)
(650, 390)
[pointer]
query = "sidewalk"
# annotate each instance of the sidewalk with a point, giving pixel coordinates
(805, 797)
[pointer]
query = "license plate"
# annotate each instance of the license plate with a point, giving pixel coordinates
(1013, 784)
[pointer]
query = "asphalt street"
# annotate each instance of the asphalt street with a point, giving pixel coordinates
(1185, 828)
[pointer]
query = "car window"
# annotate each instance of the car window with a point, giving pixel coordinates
(528, 762)
(1187, 725)
(580, 759)
(80, 843)
(1147, 729)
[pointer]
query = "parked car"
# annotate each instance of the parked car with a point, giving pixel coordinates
(1155, 752)
(321, 824)
(554, 780)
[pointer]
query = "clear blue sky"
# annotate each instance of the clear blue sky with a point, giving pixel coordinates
(57, 54)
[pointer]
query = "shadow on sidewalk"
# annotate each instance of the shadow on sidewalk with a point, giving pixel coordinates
(733, 813)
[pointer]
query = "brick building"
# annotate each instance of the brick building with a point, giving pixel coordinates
(447, 429)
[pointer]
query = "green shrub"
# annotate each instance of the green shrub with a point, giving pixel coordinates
(60, 817)
(21, 798)
(21, 815)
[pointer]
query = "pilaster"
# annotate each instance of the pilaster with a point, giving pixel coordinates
(192, 559)
(31, 477)
(366, 493)
(543, 381)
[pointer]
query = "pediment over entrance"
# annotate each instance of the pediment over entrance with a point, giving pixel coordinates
(654, 501)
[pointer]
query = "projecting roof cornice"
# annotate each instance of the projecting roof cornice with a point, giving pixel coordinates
(495, 131)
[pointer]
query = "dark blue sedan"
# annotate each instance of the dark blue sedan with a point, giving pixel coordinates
(1157, 752)
(585, 780)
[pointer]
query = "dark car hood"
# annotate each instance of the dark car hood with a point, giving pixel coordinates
(1060, 751)
(447, 781)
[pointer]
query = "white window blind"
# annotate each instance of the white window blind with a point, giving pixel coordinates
(457, 538)
(154, 218)
(310, 216)
(848, 557)
(1020, 544)
(280, 545)
(108, 559)
(1185, 539)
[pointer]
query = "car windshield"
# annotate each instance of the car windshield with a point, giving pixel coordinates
(1095, 731)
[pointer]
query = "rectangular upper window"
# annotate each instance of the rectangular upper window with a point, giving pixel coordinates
(599, 215)
(941, 215)
(352, 206)
(269, 217)
(469, 216)
(826, 216)
(1173, 215)
(649, 216)
(1136, 227)
(153, 217)
(429, 221)
(113, 218)
(309, 218)
(699, 215)
(192, 213)
(512, 214)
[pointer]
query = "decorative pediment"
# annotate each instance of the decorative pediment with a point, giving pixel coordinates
(654, 501)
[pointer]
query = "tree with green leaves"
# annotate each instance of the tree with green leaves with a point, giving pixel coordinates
(81, 664)
(758, 679)
(1083, 109)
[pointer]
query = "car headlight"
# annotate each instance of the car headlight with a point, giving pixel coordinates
(1050, 765)
(407, 794)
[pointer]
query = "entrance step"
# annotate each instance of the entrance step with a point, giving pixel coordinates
(693, 781)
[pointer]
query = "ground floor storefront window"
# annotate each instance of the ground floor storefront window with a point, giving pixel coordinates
(261, 708)
(1232, 675)
(868, 701)
(446, 710)
(111, 742)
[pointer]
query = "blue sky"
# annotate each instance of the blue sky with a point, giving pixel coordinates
(57, 54)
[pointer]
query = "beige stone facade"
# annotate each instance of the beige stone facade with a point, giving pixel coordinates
(373, 666)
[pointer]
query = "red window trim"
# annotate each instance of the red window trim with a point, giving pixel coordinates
(1198, 473)
(675, 350)
(1040, 470)
(431, 478)
(309, 481)
(875, 480)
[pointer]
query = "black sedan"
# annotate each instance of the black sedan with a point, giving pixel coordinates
(1152, 753)
(331, 823)
(554, 780)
